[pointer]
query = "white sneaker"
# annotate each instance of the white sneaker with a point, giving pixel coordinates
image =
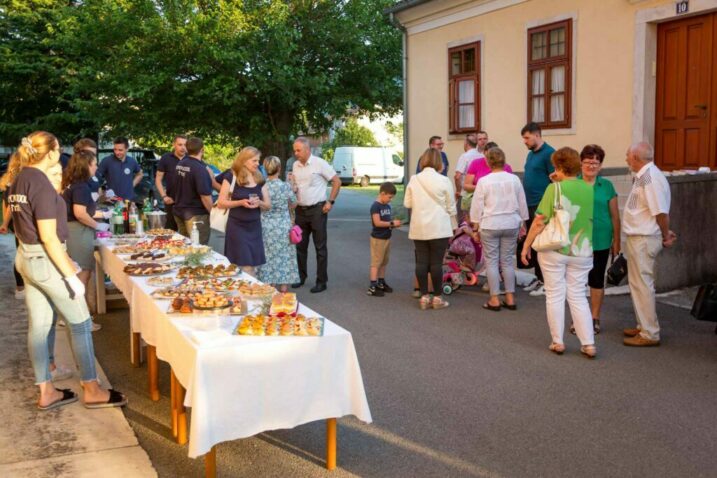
(538, 291)
(20, 294)
(61, 373)
(533, 285)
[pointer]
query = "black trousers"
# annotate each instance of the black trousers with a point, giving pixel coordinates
(312, 222)
(429, 259)
(171, 223)
(533, 254)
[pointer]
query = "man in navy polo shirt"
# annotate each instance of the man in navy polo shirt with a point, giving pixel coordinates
(120, 172)
(193, 192)
(167, 175)
(436, 142)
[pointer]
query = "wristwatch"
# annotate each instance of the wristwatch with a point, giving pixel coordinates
(332, 201)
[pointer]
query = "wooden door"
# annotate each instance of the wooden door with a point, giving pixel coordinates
(685, 122)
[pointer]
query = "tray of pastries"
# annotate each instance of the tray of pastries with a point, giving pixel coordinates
(149, 256)
(208, 271)
(173, 292)
(256, 290)
(162, 281)
(210, 300)
(219, 284)
(160, 232)
(184, 249)
(166, 242)
(284, 326)
(127, 249)
(147, 269)
(284, 303)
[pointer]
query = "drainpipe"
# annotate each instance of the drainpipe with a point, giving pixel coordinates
(404, 52)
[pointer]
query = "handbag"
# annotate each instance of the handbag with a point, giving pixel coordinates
(556, 234)
(218, 217)
(454, 219)
(617, 270)
(466, 202)
(705, 305)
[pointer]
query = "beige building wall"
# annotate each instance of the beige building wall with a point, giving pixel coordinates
(603, 70)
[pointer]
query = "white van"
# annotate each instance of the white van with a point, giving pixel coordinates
(364, 166)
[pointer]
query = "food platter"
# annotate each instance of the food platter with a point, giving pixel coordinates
(147, 269)
(280, 326)
(208, 271)
(160, 232)
(158, 281)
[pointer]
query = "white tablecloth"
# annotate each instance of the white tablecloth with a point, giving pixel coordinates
(240, 386)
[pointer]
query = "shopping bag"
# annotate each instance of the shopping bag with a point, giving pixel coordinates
(295, 234)
(617, 270)
(218, 217)
(705, 306)
(556, 234)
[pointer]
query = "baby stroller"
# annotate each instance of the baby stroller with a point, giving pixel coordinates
(461, 262)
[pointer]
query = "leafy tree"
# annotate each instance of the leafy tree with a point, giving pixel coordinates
(249, 72)
(352, 134)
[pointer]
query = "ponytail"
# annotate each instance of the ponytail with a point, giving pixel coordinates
(35, 146)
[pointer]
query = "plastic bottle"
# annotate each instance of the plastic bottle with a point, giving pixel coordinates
(133, 218)
(145, 210)
(117, 219)
(125, 216)
(195, 233)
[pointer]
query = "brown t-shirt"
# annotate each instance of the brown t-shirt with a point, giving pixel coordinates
(33, 198)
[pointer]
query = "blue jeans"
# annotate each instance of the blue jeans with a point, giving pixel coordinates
(499, 254)
(46, 292)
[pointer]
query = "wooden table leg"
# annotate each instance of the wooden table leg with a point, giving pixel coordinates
(210, 463)
(100, 285)
(331, 444)
(153, 372)
(136, 341)
(181, 414)
(173, 402)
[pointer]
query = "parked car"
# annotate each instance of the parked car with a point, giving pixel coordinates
(148, 161)
(364, 166)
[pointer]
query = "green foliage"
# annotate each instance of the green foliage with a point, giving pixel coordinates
(395, 129)
(251, 71)
(352, 134)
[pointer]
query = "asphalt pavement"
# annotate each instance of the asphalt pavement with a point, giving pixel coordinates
(464, 391)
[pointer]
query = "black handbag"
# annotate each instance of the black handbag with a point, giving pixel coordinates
(705, 306)
(617, 271)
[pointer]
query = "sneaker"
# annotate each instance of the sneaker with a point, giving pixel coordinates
(538, 291)
(60, 373)
(385, 287)
(532, 286)
(20, 294)
(375, 291)
(416, 294)
(95, 326)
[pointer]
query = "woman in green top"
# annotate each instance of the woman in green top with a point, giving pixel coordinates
(565, 271)
(606, 227)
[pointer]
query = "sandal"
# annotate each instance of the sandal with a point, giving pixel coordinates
(557, 349)
(494, 308)
(572, 329)
(439, 303)
(509, 306)
(68, 396)
(116, 399)
(425, 302)
(596, 326)
(589, 351)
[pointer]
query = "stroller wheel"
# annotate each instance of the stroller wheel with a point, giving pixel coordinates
(471, 279)
(447, 289)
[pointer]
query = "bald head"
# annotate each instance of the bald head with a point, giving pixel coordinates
(639, 154)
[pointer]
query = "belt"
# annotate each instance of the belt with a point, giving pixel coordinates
(306, 208)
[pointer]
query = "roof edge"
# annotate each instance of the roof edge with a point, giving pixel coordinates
(404, 5)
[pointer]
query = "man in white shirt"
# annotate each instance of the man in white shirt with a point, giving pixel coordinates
(646, 223)
(310, 175)
(465, 159)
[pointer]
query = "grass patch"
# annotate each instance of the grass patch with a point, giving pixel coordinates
(399, 212)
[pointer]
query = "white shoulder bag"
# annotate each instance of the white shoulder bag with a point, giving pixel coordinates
(218, 217)
(556, 234)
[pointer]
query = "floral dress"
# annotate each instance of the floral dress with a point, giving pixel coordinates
(281, 266)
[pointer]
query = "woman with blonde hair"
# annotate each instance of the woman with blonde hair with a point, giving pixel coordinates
(430, 196)
(51, 282)
(242, 193)
(281, 268)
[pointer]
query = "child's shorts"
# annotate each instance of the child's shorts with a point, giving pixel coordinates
(380, 249)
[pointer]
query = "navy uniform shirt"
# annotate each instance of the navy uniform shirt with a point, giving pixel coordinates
(78, 193)
(94, 184)
(119, 175)
(384, 214)
(168, 165)
(32, 198)
(444, 158)
(192, 182)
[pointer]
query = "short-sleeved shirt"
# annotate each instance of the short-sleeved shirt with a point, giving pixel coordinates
(479, 168)
(64, 160)
(538, 169)
(444, 158)
(650, 195)
(32, 198)
(578, 199)
(193, 181)
(168, 165)
(604, 191)
(94, 184)
(119, 175)
(384, 214)
(311, 179)
(78, 193)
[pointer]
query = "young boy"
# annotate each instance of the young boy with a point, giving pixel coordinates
(381, 239)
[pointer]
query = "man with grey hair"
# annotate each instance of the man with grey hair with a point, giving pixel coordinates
(646, 223)
(310, 175)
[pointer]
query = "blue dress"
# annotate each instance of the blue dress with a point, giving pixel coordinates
(281, 266)
(243, 244)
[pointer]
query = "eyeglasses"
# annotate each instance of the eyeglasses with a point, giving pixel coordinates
(591, 162)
